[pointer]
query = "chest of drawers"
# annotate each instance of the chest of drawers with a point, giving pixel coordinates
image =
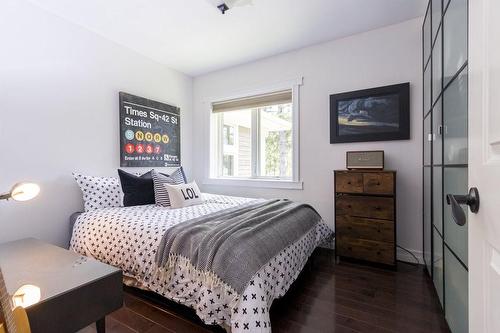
(365, 216)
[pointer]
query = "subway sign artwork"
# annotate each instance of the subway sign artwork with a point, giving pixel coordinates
(149, 133)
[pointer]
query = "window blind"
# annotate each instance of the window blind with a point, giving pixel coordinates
(279, 97)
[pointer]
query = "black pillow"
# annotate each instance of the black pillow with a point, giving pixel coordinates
(137, 190)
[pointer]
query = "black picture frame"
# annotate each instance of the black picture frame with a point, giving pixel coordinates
(394, 98)
(152, 126)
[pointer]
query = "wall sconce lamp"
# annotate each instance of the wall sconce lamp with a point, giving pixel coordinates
(22, 192)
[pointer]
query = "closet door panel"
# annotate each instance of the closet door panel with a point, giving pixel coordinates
(426, 38)
(455, 110)
(437, 198)
(437, 134)
(438, 265)
(455, 236)
(455, 38)
(427, 219)
(456, 294)
(437, 7)
(437, 68)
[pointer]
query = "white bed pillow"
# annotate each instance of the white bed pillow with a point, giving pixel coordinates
(99, 192)
(184, 195)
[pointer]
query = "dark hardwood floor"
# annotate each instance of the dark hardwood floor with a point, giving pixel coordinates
(325, 298)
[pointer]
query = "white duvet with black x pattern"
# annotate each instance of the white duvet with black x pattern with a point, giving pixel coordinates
(128, 238)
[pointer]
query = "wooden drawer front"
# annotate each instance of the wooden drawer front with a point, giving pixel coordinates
(378, 183)
(380, 252)
(370, 229)
(349, 182)
(371, 207)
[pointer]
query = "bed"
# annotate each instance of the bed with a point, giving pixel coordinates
(129, 237)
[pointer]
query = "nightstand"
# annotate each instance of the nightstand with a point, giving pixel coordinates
(75, 290)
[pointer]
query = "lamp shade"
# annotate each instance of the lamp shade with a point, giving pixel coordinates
(26, 295)
(24, 191)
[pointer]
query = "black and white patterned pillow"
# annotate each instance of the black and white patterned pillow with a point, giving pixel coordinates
(99, 192)
(161, 193)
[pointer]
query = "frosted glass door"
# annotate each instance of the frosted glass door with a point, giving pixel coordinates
(445, 153)
(455, 162)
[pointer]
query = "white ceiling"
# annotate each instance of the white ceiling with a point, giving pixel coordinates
(193, 37)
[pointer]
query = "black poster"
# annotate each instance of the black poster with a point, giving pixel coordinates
(149, 133)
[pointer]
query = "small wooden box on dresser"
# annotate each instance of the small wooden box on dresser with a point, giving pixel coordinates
(365, 216)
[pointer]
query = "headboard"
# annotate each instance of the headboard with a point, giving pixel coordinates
(72, 221)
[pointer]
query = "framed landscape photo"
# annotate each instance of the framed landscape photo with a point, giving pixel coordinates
(376, 114)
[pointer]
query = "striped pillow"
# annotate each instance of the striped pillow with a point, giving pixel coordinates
(161, 193)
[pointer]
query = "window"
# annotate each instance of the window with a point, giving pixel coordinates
(228, 135)
(275, 141)
(253, 138)
(228, 166)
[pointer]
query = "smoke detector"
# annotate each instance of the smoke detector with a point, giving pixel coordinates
(225, 5)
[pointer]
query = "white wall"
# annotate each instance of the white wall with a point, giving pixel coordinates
(59, 89)
(385, 56)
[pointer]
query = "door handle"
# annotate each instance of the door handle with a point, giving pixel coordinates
(455, 200)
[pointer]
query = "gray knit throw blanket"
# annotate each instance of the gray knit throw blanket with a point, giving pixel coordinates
(229, 247)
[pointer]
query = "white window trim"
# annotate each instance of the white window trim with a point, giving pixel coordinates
(295, 183)
(255, 182)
